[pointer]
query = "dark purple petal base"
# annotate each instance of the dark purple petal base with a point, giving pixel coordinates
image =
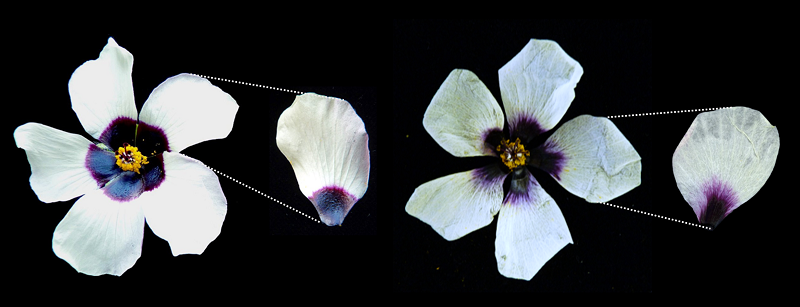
(720, 201)
(522, 182)
(524, 127)
(333, 203)
(549, 158)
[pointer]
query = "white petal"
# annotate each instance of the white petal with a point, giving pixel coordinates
(326, 143)
(190, 110)
(530, 231)
(600, 163)
(727, 154)
(58, 162)
(460, 203)
(461, 114)
(537, 86)
(188, 208)
(100, 236)
(101, 90)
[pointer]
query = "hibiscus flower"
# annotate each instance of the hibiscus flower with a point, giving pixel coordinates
(134, 171)
(587, 155)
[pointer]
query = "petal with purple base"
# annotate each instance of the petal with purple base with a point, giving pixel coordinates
(462, 115)
(725, 157)
(597, 162)
(460, 203)
(101, 90)
(327, 145)
(537, 86)
(190, 110)
(530, 229)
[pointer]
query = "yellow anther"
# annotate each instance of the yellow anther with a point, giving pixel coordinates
(512, 154)
(130, 159)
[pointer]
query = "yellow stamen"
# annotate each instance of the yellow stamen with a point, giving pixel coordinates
(512, 154)
(130, 159)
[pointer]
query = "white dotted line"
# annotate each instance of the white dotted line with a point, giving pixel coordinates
(666, 112)
(250, 84)
(262, 194)
(658, 216)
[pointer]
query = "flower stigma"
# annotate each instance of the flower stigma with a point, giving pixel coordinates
(129, 158)
(512, 154)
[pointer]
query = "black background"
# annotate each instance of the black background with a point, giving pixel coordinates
(262, 242)
(630, 67)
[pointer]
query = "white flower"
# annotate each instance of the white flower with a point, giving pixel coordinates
(327, 145)
(135, 172)
(587, 155)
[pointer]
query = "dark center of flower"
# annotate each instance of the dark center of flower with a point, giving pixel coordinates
(513, 154)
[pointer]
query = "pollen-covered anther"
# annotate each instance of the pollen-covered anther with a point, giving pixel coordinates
(513, 154)
(129, 158)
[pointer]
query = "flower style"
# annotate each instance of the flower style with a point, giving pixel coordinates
(135, 172)
(587, 155)
(327, 145)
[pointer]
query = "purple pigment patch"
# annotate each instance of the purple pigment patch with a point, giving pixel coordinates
(549, 158)
(524, 127)
(489, 176)
(121, 130)
(125, 187)
(332, 204)
(151, 139)
(153, 172)
(491, 138)
(522, 183)
(102, 165)
(720, 200)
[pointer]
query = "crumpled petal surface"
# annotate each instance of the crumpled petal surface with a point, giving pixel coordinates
(57, 159)
(188, 208)
(328, 147)
(190, 110)
(599, 163)
(458, 204)
(537, 86)
(461, 114)
(101, 90)
(725, 157)
(530, 230)
(100, 236)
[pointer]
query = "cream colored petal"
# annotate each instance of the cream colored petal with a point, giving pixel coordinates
(458, 204)
(724, 159)
(537, 86)
(530, 230)
(597, 162)
(461, 114)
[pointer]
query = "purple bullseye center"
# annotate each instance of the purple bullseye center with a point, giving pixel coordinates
(127, 185)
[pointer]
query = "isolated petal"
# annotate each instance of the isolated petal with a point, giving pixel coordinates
(58, 162)
(326, 143)
(723, 160)
(100, 236)
(537, 87)
(530, 229)
(591, 158)
(101, 90)
(458, 204)
(462, 114)
(188, 208)
(190, 110)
